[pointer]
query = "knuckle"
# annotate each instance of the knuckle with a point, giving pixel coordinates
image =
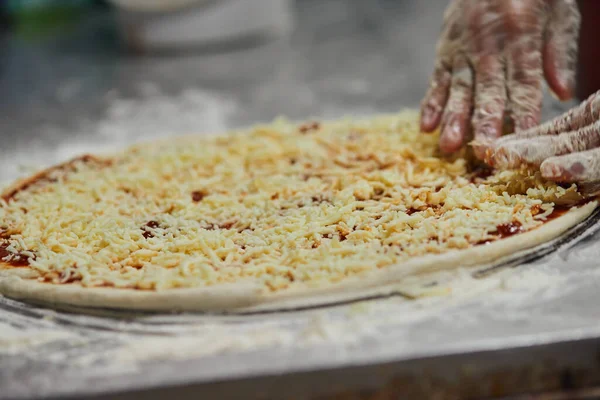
(462, 86)
(455, 31)
(490, 84)
(491, 108)
(432, 105)
(577, 168)
(595, 107)
(524, 106)
(528, 75)
(486, 129)
(457, 106)
(462, 77)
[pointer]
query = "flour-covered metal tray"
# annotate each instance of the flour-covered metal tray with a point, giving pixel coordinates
(477, 335)
(530, 327)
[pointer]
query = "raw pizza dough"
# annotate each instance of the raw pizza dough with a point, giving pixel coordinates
(280, 215)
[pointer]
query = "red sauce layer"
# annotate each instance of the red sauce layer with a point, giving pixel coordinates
(15, 260)
(45, 176)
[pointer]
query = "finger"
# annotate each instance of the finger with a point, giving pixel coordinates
(490, 100)
(524, 74)
(516, 152)
(436, 97)
(435, 100)
(577, 118)
(560, 48)
(455, 122)
(589, 189)
(575, 167)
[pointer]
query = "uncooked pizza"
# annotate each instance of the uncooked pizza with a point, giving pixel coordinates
(277, 214)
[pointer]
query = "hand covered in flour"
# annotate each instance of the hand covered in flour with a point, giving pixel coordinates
(491, 58)
(566, 149)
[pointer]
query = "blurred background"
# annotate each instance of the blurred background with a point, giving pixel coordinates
(93, 75)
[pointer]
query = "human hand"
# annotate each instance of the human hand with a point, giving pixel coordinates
(565, 149)
(491, 57)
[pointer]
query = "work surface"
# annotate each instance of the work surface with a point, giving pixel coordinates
(77, 93)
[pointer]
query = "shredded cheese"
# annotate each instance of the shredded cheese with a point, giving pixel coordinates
(279, 204)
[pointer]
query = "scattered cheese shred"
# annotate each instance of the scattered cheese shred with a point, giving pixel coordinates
(280, 204)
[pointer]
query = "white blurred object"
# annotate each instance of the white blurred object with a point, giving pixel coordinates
(165, 24)
(155, 5)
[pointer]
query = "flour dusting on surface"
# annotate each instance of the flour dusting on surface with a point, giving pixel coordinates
(550, 296)
(127, 121)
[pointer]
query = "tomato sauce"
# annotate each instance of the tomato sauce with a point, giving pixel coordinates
(12, 259)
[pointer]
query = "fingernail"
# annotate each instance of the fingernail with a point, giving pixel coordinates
(452, 137)
(427, 117)
(567, 81)
(577, 168)
(555, 172)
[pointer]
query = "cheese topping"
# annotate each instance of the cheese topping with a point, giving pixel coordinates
(280, 204)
